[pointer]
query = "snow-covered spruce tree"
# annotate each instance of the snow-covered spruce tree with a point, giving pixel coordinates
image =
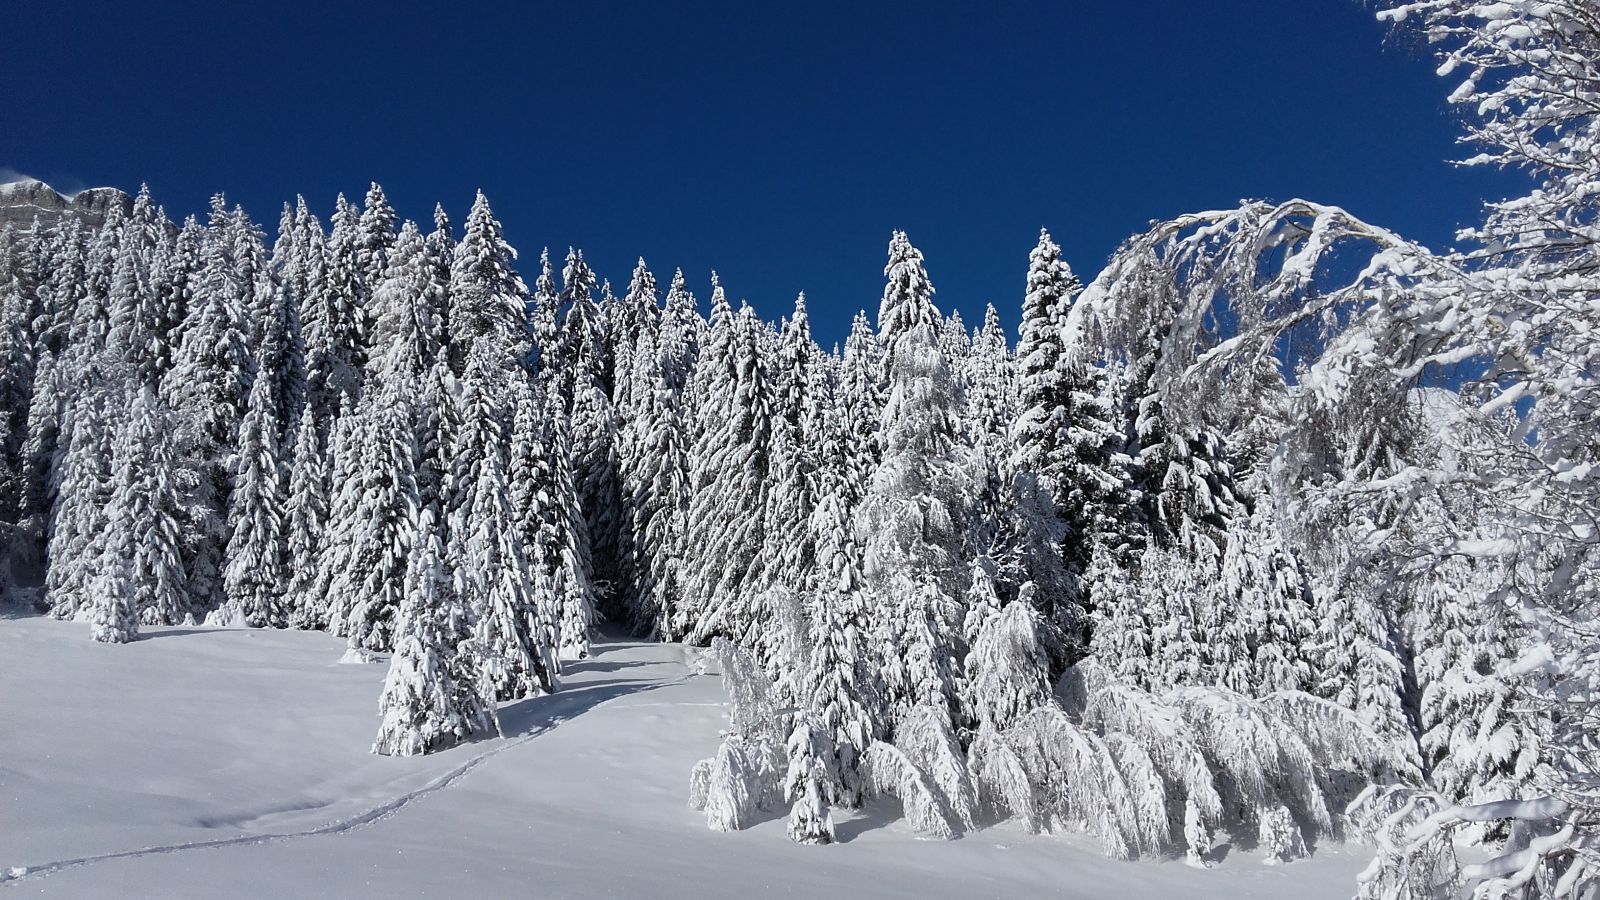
(60, 273)
(376, 238)
(141, 322)
(1476, 745)
(435, 693)
(659, 499)
(1008, 670)
(860, 390)
(330, 326)
(79, 516)
(802, 394)
(138, 575)
(305, 519)
(956, 345)
(531, 477)
(745, 777)
(441, 254)
(911, 519)
(512, 601)
(371, 542)
(1039, 431)
(564, 535)
(844, 698)
(63, 282)
(731, 492)
(1269, 615)
(112, 610)
(280, 354)
(634, 320)
(545, 316)
(806, 784)
(405, 313)
(91, 320)
(349, 295)
(20, 260)
(255, 576)
(43, 450)
(710, 392)
(678, 343)
(486, 296)
(990, 386)
(206, 390)
(587, 362)
(341, 472)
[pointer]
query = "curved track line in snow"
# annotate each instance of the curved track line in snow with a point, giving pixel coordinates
(16, 875)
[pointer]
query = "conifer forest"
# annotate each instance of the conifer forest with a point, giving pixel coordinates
(1280, 531)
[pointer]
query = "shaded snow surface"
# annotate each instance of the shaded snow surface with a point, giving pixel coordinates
(254, 746)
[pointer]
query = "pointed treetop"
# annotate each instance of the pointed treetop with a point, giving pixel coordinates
(143, 207)
(678, 296)
(441, 222)
(219, 210)
(1049, 277)
(721, 312)
(577, 278)
(642, 287)
(907, 297)
(545, 294)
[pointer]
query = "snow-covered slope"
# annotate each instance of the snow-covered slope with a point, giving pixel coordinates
(241, 757)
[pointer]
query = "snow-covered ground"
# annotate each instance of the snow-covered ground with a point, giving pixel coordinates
(214, 763)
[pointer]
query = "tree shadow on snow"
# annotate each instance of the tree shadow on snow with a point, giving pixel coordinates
(593, 665)
(145, 635)
(870, 817)
(524, 716)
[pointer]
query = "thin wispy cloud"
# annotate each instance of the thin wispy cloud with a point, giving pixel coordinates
(9, 175)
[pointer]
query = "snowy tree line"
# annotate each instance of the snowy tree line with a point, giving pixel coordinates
(1280, 512)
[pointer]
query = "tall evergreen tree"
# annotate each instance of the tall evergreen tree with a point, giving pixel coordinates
(513, 601)
(79, 517)
(486, 296)
(1042, 392)
(912, 515)
(330, 324)
(255, 577)
(305, 519)
(373, 541)
(349, 295)
(990, 387)
(206, 390)
(112, 609)
(405, 307)
(731, 492)
(152, 496)
(377, 238)
(434, 695)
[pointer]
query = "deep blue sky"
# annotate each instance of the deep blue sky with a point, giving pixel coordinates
(778, 143)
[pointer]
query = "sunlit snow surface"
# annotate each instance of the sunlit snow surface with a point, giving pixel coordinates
(254, 745)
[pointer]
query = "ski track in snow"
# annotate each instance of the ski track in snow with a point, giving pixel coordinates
(11, 877)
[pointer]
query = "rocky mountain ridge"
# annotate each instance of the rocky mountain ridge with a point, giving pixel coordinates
(21, 202)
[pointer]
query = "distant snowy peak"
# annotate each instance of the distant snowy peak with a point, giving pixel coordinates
(23, 201)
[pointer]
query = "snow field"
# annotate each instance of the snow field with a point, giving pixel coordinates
(204, 735)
